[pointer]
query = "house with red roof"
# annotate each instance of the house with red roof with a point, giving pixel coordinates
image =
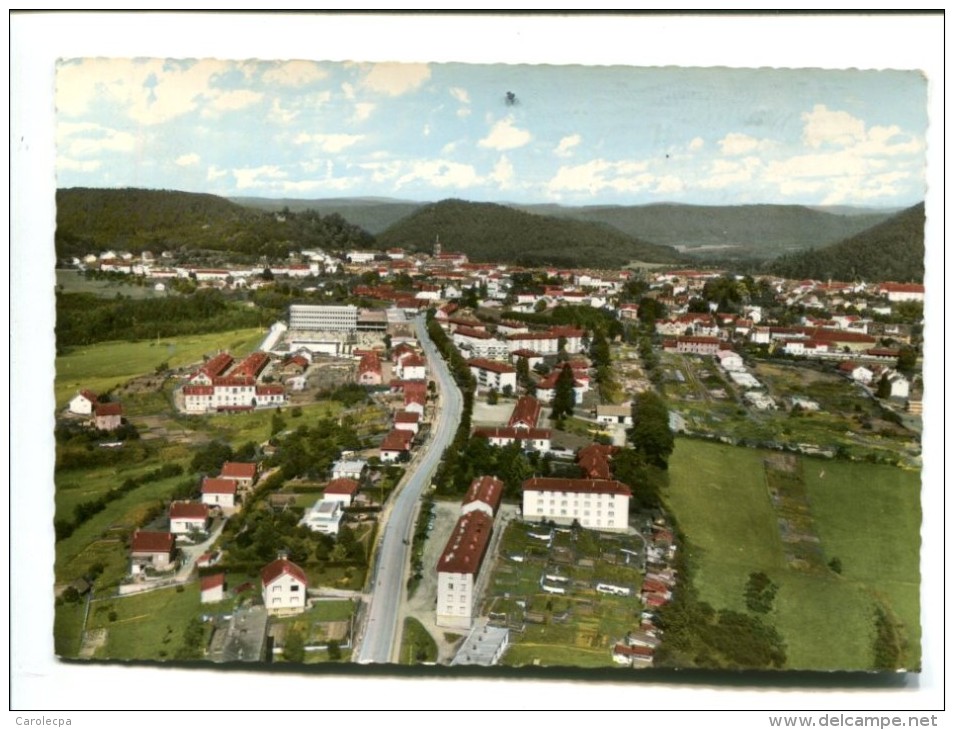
(395, 445)
(83, 403)
(407, 421)
(212, 588)
(537, 439)
(155, 550)
(219, 492)
(483, 494)
(411, 367)
(598, 504)
(186, 517)
(243, 473)
(284, 587)
(525, 413)
(369, 369)
(107, 416)
(415, 396)
(341, 490)
(459, 567)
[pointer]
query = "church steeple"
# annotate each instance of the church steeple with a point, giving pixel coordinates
(437, 246)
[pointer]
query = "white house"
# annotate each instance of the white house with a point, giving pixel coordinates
(537, 439)
(284, 587)
(599, 504)
(341, 490)
(186, 517)
(219, 492)
(348, 469)
(324, 516)
(900, 385)
(458, 568)
(154, 550)
(212, 588)
(484, 494)
(83, 403)
(614, 415)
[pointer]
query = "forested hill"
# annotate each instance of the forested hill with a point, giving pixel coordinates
(890, 251)
(372, 214)
(741, 231)
(490, 232)
(90, 220)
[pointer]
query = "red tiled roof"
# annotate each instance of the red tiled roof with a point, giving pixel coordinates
(269, 389)
(493, 366)
(212, 581)
(238, 470)
(485, 489)
(526, 410)
(280, 567)
(583, 486)
(108, 409)
(152, 542)
(251, 366)
(228, 381)
(467, 545)
(525, 353)
(198, 390)
(211, 485)
(891, 286)
(342, 486)
(397, 440)
(475, 334)
(407, 417)
(217, 365)
(188, 511)
(89, 395)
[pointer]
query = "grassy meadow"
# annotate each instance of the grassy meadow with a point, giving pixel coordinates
(866, 515)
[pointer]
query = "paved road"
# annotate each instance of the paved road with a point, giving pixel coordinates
(376, 643)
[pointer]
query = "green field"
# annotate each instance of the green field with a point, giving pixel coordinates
(103, 366)
(865, 515)
(417, 645)
(147, 625)
(75, 281)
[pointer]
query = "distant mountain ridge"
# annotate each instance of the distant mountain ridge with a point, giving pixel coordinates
(491, 232)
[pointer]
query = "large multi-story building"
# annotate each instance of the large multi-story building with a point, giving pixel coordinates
(458, 569)
(598, 504)
(323, 317)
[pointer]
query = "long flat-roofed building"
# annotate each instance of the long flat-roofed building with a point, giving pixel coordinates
(323, 317)
(598, 504)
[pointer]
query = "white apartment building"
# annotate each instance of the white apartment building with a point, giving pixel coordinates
(323, 317)
(458, 569)
(598, 504)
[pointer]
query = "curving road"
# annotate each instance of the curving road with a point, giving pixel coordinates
(377, 641)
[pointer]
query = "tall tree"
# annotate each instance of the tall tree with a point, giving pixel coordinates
(564, 397)
(650, 434)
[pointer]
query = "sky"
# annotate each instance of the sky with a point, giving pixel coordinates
(567, 134)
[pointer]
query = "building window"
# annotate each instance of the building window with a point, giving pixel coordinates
(295, 588)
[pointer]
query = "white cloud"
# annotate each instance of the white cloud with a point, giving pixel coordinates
(826, 127)
(734, 144)
(328, 142)
(187, 160)
(229, 101)
(505, 136)
(215, 173)
(669, 184)
(280, 115)
(460, 94)
(362, 111)
(294, 73)
(598, 175)
(67, 164)
(564, 149)
(440, 173)
(395, 79)
(426, 132)
(503, 172)
(697, 144)
(725, 173)
(250, 177)
(449, 148)
(88, 139)
(348, 91)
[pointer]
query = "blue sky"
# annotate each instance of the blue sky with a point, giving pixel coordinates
(576, 135)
